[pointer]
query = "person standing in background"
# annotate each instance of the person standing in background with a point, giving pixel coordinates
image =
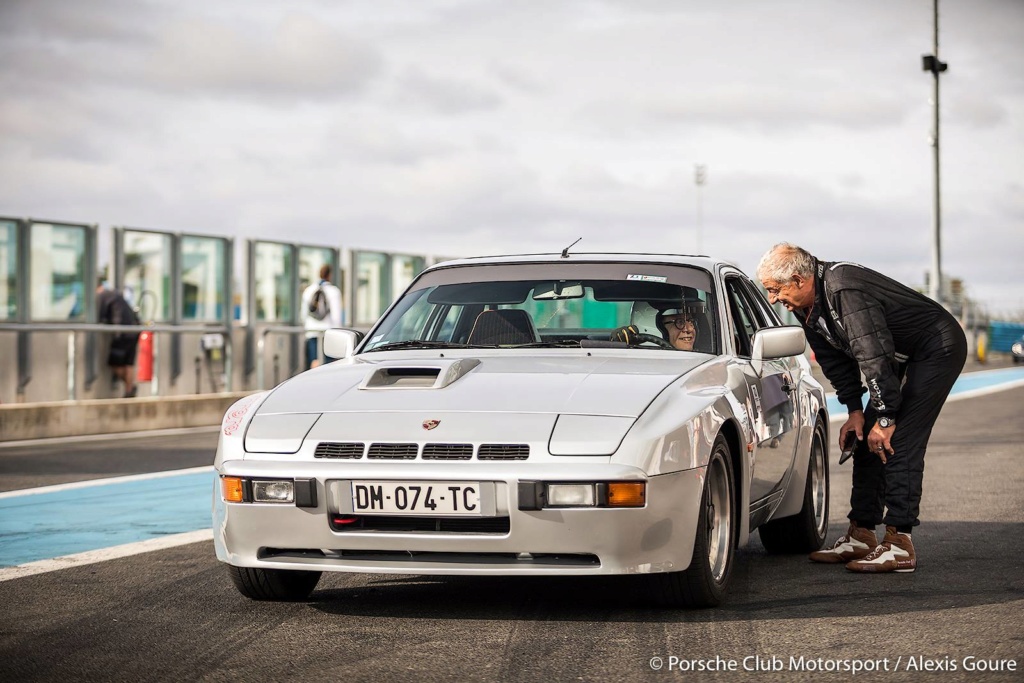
(114, 309)
(321, 309)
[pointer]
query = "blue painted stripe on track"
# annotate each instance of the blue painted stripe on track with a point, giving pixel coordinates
(985, 379)
(40, 525)
(56, 523)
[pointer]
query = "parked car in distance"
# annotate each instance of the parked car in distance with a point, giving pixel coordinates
(584, 414)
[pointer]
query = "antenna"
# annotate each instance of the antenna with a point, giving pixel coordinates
(565, 252)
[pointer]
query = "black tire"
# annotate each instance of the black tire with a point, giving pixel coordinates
(805, 531)
(273, 584)
(704, 582)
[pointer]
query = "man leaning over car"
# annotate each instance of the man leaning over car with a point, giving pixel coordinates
(859, 321)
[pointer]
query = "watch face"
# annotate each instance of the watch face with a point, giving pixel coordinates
(884, 422)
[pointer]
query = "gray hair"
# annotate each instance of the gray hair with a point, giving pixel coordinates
(783, 261)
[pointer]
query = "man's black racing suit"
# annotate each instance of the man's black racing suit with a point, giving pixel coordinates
(864, 323)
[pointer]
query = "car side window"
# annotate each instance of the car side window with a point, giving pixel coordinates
(745, 316)
(767, 314)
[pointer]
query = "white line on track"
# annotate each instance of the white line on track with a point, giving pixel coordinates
(112, 435)
(102, 482)
(104, 554)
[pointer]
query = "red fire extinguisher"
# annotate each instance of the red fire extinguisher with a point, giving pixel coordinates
(145, 369)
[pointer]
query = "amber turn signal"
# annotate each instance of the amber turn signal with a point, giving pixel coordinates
(232, 489)
(627, 494)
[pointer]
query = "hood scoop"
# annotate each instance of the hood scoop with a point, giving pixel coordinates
(432, 375)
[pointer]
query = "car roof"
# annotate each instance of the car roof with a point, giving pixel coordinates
(699, 261)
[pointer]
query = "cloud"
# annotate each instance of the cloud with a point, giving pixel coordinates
(446, 96)
(977, 111)
(295, 58)
(760, 108)
(303, 58)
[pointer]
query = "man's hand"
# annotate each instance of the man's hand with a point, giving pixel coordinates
(854, 423)
(627, 334)
(879, 441)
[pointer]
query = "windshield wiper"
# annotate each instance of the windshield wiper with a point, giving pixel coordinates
(551, 344)
(419, 344)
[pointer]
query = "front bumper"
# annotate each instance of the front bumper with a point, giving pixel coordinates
(658, 537)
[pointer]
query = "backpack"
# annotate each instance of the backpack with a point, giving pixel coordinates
(319, 308)
(122, 313)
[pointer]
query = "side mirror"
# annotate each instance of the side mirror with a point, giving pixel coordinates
(340, 343)
(772, 343)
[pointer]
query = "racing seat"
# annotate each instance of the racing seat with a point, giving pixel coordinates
(503, 326)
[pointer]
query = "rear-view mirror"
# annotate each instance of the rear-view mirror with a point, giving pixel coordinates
(558, 290)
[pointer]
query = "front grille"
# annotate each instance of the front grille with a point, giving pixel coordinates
(353, 450)
(393, 451)
(503, 451)
(333, 449)
(450, 525)
(447, 451)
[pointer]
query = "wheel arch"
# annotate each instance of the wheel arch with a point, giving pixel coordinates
(730, 430)
(792, 502)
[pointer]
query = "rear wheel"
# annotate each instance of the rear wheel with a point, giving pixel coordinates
(704, 583)
(273, 584)
(805, 531)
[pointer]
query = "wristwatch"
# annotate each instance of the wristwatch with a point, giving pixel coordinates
(885, 422)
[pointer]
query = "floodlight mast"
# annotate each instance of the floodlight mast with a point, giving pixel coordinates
(931, 63)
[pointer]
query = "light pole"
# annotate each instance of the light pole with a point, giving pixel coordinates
(931, 63)
(700, 176)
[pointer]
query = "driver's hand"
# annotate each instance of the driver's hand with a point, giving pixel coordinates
(628, 334)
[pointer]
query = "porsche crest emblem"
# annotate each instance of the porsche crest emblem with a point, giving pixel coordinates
(430, 424)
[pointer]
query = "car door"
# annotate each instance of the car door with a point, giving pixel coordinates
(772, 399)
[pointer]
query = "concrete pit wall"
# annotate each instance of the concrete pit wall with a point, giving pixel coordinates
(27, 421)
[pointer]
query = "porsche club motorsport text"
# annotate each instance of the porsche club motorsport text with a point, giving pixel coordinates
(821, 664)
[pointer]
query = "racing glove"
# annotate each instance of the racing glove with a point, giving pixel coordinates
(627, 334)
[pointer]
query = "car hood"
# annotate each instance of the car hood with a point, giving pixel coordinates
(546, 384)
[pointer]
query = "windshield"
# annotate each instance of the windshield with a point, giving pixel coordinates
(554, 305)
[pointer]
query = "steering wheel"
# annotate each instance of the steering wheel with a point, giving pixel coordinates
(643, 338)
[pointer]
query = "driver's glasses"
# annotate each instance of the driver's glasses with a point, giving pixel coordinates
(680, 323)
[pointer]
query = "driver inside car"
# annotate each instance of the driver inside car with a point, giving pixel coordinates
(677, 325)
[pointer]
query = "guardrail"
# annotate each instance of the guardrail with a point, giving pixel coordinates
(73, 329)
(254, 358)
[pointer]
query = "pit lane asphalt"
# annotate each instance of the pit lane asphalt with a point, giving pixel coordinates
(173, 614)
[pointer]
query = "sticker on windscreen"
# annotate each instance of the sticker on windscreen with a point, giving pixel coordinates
(647, 278)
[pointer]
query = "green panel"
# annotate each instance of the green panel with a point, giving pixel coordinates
(8, 270)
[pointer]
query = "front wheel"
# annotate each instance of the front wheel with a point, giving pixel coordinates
(273, 584)
(805, 531)
(704, 583)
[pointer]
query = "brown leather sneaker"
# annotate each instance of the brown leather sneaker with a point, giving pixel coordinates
(894, 554)
(857, 543)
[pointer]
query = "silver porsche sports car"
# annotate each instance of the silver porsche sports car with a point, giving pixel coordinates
(583, 414)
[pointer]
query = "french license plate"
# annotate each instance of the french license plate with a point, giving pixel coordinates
(416, 497)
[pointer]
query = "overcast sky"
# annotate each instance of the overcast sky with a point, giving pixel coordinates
(471, 127)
